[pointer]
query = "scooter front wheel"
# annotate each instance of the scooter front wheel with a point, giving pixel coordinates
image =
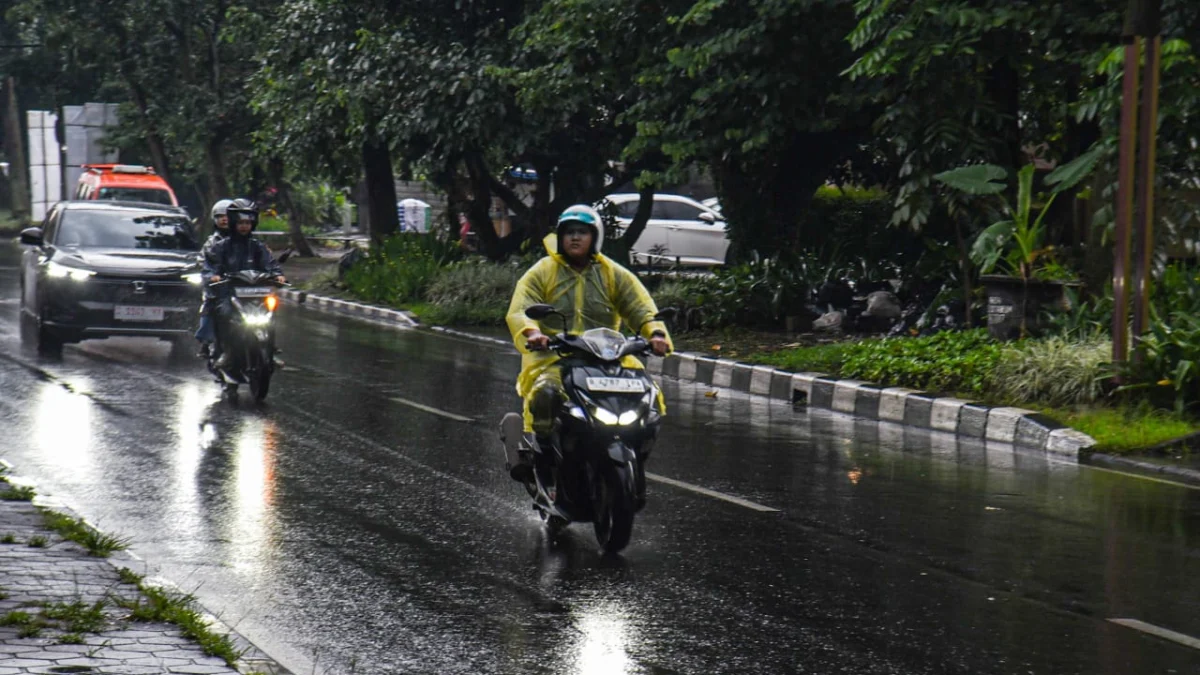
(613, 505)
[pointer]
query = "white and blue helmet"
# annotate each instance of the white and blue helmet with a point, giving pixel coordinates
(582, 213)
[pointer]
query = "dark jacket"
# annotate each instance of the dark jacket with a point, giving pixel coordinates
(236, 253)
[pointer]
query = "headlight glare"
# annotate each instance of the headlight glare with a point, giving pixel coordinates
(58, 271)
(194, 278)
(604, 416)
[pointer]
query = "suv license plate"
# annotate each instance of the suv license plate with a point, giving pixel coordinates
(137, 313)
(617, 385)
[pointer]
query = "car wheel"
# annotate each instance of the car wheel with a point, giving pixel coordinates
(48, 342)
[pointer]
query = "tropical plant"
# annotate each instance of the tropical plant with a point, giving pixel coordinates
(1017, 244)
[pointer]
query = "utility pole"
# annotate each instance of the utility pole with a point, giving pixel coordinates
(1135, 176)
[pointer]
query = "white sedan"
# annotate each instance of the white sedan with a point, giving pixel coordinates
(680, 230)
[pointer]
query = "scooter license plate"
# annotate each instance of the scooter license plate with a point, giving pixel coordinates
(253, 291)
(137, 313)
(616, 385)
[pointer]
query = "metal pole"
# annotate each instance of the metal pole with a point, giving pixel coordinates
(1124, 207)
(1148, 155)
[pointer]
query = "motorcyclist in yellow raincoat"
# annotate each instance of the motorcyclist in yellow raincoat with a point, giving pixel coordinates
(593, 291)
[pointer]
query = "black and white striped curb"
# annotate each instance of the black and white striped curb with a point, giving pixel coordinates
(918, 409)
(349, 307)
(1024, 428)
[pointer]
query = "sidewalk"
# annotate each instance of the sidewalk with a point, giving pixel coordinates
(63, 610)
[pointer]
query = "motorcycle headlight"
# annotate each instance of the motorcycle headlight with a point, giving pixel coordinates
(58, 271)
(605, 417)
(195, 278)
(628, 417)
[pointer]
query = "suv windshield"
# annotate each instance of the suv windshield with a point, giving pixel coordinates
(124, 194)
(126, 229)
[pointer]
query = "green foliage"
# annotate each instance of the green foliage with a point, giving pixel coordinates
(471, 292)
(17, 493)
(962, 362)
(1170, 369)
(1085, 319)
(97, 543)
(159, 605)
(78, 616)
(1019, 241)
(401, 270)
(1129, 428)
(1056, 371)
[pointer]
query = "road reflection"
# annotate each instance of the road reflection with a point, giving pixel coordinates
(253, 494)
(62, 428)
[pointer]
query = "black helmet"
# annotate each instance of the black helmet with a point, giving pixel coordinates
(242, 209)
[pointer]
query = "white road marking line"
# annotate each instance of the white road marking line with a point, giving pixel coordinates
(1185, 640)
(711, 493)
(434, 411)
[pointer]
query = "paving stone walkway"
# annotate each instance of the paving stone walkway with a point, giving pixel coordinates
(46, 581)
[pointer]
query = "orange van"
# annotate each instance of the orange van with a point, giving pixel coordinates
(124, 182)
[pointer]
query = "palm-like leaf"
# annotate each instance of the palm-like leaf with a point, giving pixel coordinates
(978, 179)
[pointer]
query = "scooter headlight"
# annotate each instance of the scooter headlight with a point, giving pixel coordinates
(258, 320)
(628, 417)
(604, 416)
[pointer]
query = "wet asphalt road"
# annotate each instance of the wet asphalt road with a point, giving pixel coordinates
(344, 530)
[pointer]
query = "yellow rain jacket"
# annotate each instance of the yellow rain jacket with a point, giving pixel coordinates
(601, 296)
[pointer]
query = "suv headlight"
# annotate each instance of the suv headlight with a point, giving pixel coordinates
(57, 271)
(195, 278)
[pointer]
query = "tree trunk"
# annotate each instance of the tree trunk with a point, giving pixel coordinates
(218, 184)
(295, 215)
(479, 208)
(638, 225)
(381, 190)
(14, 148)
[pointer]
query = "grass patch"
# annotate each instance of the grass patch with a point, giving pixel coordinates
(71, 639)
(97, 544)
(9, 538)
(1124, 429)
(159, 605)
(28, 625)
(37, 541)
(78, 616)
(128, 576)
(18, 493)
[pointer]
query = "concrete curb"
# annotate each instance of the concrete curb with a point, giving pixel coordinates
(348, 307)
(253, 660)
(1022, 428)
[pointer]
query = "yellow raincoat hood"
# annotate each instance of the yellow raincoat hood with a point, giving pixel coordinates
(603, 295)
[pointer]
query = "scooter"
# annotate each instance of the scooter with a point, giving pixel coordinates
(593, 468)
(250, 336)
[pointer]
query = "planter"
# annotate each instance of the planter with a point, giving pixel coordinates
(1009, 298)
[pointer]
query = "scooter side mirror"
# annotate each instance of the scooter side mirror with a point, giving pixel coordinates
(539, 312)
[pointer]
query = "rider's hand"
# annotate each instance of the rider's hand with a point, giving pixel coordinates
(215, 278)
(281, 279)
(536, 341)
(658, 345)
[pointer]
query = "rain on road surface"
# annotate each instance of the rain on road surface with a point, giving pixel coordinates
(344, 529)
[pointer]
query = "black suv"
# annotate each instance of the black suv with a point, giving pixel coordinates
(98, 269)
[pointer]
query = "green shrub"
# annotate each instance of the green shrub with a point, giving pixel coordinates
(1056, 371)
(401, 270)
(962, 362)
(474, 292)
(1169, 373)
(280, 224)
